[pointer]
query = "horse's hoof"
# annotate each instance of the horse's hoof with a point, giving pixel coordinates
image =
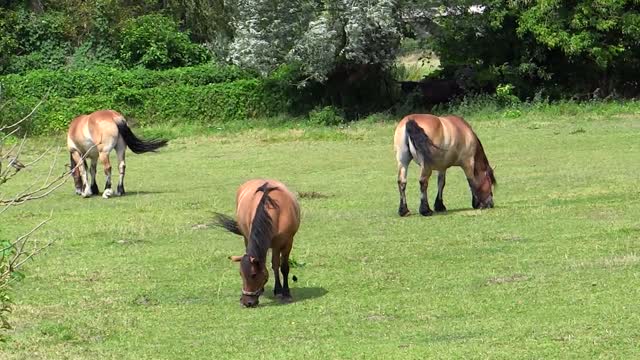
(439, 208)
(86, 194)
(107, 193)
(285, 299)
(403, 212)
(427, 212)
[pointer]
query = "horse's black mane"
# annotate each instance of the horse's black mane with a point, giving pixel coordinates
(262, 225)
(481, 159)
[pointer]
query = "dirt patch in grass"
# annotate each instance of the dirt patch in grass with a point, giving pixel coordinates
(507, 279)
(311, 195)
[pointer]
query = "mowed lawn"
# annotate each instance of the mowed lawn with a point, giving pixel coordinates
(552, 272)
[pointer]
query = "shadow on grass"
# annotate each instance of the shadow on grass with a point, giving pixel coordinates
(448, 212)
(145, 192)
(298, 294)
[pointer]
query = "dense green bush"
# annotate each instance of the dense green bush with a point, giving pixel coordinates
(155, 42)
(558, 47)
(106, 80)
(213, 103)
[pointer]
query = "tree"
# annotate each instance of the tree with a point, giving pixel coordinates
(558, 46)
(321, 37)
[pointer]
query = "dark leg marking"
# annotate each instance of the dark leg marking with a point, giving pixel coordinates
(94, 188)
(403, 210)
(424, 205)
(284, 267)
(475, 203)
(439, 204)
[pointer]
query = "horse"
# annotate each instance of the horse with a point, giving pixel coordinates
(93, 136)
(437, 143)
(267, 216)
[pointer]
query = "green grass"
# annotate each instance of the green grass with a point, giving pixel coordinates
(551, 272)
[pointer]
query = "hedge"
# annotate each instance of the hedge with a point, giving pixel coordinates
(106, 80)
(213, 103)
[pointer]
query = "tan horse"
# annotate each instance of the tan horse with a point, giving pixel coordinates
(93, 136)
(437, 143)
(267, 216)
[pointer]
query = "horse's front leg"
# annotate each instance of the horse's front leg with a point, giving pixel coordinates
(275, 265)
(284, 267)
(468, 172)
(86, 191)
(425, 174)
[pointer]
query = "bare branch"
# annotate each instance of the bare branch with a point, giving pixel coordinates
(21, 256)
(44, 190)
(26, 117)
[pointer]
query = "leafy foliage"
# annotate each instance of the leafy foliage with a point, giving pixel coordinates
(555, 46)
(327, 115)
(202, 94)
(154, 42)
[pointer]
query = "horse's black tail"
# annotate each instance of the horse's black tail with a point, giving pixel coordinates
(420, 141)
(227, 223)
(136, 144)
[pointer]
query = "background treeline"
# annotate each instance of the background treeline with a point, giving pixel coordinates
(216, 60)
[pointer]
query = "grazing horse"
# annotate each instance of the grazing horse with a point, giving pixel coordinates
(437, 143)
(267, 216)
(93, 136)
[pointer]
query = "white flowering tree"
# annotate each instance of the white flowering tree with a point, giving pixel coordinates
(319, 36)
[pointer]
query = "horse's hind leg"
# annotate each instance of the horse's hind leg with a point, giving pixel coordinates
(121, 147)
(425, 174)
(439, 204)
(106, 164)
(404, 159)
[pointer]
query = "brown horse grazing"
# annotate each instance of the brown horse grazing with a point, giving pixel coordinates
(437, 143)
(267, 216)
(93, 136)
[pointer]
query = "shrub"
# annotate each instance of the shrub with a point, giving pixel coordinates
(327, 115)
(105, 80)
(155, 42)
(212, 103)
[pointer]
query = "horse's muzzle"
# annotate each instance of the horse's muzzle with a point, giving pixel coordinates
(488, 203)
(249, 301)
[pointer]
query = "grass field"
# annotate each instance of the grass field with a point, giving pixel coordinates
(551, 272)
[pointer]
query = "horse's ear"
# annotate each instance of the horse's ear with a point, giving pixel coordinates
(235, 258)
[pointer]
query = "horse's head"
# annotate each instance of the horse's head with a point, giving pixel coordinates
(254, 276)
(483, 192)
(75, 172)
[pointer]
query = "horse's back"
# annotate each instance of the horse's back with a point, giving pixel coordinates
(451, 134)
(285, 217)
(98, 129)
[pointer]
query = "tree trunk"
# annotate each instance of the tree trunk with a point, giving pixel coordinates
(36, 6)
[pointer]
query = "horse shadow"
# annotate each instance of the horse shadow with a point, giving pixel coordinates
(298, 294)
(144, 192)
